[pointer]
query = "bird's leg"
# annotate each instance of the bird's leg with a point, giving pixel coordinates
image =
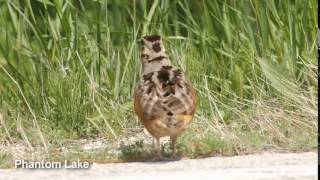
(173, 143)
(159, 156)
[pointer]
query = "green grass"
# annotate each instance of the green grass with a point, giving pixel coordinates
(6, 160)
(68, 70)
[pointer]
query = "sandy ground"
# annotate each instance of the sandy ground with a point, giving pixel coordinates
(266, 165)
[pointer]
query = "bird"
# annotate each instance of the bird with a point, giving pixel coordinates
(164, 100)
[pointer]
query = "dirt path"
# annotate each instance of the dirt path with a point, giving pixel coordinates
(257, 166)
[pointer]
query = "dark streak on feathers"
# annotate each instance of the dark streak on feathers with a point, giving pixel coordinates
(163, 75)
(159, 58)
(166, 67)
(147, 77)
(152, 38)
(156, 47)
(149, 90)
(177, 72)
(145, 56)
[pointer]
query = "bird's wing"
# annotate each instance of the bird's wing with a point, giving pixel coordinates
(164, 93)
(178, 95)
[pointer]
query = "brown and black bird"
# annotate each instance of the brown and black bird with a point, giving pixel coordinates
(164, 100)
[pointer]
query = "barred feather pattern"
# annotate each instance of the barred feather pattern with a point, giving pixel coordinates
(163, 92)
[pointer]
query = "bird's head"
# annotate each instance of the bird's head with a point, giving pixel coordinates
(151, 46)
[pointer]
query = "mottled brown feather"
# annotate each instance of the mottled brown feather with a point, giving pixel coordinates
(164, 100)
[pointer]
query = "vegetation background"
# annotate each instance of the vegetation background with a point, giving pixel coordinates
(68, 70)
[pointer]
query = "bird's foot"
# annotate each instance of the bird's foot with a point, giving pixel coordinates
(175, 157)
(162, 158)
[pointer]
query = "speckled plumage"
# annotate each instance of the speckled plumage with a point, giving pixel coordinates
(165, 100)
